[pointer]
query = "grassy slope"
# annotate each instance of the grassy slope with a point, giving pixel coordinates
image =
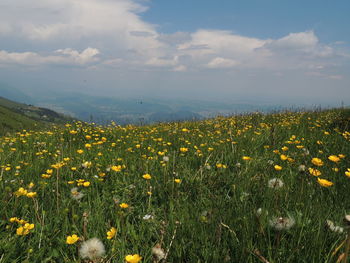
(11, 121)
(17, 116)
(211, 216)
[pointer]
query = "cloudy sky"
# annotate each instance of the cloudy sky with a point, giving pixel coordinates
(269, 50)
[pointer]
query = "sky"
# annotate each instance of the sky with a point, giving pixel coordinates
(266, 51)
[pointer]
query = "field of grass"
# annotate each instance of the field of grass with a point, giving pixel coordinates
(16, 116)
(253, 188)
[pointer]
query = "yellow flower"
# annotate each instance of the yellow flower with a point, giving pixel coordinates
(284, 148)
(147, 176)
(21, 191)
(21, 231)
(24, 230)
(246, 158)
(87, 145)
(177, 180)
(324, 182)
(111, 233)
(317, 161)
(31, 194)
(347, 173)
(283, 157)
(72, 239)
(278, 168)
(80, 151)
(334, 158)
(86, 184)
(341, 156)
(116, 168)
(133, 258)
(314, 172)
(183, 149)
(124, 205)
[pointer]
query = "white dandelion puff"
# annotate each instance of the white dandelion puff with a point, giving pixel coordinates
(165, 158)
(282, 223)
(76, 194)
(158, 252)
(302, 168)
(92, 249)
(275, 183)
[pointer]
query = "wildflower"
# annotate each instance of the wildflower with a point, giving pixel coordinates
(21, 191)
(116, 168)
(124, 205)
(86, 184)
(246, 158)
(158, 252)
(31, 194)
(324, 182)
(314, 172)
(76, 194)
(275, 183)
(278, 168)
(347, 173)
(80, 151)
(72, 239)
(88, 145)
(24, 230)
(302, 168)
(334, 158)
(282, 223)
(147, 176)
(317, 161)
(133, 258)
(165, 158)
(92, 249)
(177, 180)
(86, 164)
(111, 233)
(147, 217)
(183, 149)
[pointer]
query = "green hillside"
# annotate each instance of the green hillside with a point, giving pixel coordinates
(18, 116)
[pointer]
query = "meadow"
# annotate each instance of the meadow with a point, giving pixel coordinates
(250, 188)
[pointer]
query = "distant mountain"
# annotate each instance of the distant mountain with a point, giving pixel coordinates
(16, 116)
(103, 109)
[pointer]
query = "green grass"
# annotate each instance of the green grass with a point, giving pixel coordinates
(18, 116)
(210, 216)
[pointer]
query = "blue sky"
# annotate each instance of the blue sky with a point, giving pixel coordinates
(274, 51)
(258, 18)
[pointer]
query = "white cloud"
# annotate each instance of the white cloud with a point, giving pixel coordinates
(115, 29)
(299, 40)
(180, 68)
(111, 23)
(220, 62)
(60, 57)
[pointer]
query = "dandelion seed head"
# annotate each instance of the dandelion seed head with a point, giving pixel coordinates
(275, 183)
(92, 249)
(158, 252)
(282, 223)
(75, 194)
